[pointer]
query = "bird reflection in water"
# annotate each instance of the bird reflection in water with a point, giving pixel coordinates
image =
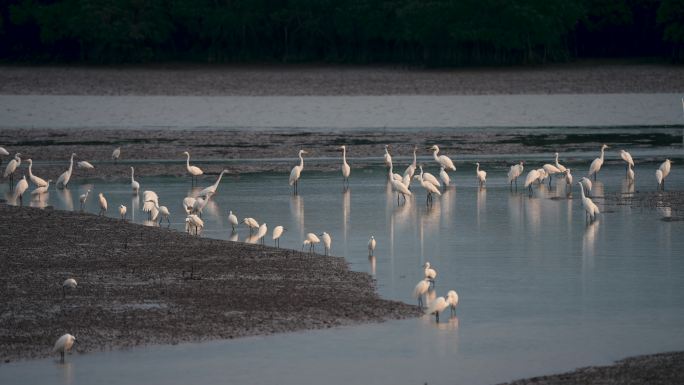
(67, 199)
(372, 262)
(297, 213)
(233, 236)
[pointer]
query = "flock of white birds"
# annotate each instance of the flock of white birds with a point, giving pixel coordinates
(400, 183)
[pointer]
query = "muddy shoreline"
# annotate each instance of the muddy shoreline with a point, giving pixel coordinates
(140, 285)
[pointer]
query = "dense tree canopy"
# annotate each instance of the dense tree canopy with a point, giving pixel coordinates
(426, 32)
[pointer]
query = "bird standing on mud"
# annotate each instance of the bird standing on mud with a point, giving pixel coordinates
(103, 204)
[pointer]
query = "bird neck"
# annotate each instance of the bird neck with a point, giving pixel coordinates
(187, 160)
(602, 151)
(132, 174)
(344, 155)
(301, 160)
(414, 158)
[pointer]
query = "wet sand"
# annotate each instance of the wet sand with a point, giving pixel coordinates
(142, 285)
(655, 369)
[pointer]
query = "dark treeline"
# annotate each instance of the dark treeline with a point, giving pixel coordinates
(423, 32)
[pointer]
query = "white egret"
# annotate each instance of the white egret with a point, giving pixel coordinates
(199, 205)
(296, 172)
(659, 179)
(116, 154)
(665, 169)
(150, 200)
(277, 233)
(437, 306)
(586, 183)
(63, 345)
(559, 166)
(371, 246)
(481, 175)
(83, 198)
(70, 283)
(398, 186)
(232, 218)
(430, 273)
(39, 182)
(411, 169)
(627, 157)
(194, 171)
(135, 185)
(630, 173)
(426, 176)
(387, 157)
(550, 170)
(568, 177)
(193, 220)
(452, 300)
(12, 167)
(163, 210)
(590, 207)
(443, 160)
(542, 175)
(263, 230)
(444, 177)
(346, 170)
(189, 203)
(41, 189)
(122, 212)
(251, 223)
(85, 165)
(532, 176)
(311, 239)
(327, 242)
(63, 180)
(597, 163)
(429, 188)
(514, 173)
(103, 204)
(20, 189)
(421, 288)
(211, 190)
(3, 152)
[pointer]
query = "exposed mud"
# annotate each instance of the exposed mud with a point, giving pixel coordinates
(141, 285)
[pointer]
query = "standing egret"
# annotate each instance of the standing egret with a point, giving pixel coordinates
(443, 160)
(421, 288)
(550, 170)
(21, 188)
(277, 233)
(597, 163)
(346, 170)
(481, 175)
(542, 175)
(312, 240)
(627, 157)
(251, 223)
(68, 284)
(193, 220)
(189, 203)
(327, 242)
(85, 165)
(371, 246)
(659, 179)
(199, 205)
(11, 168)
(194, 171)
(116, 154)
(83, 198)
(437, 306)
(387, 157)
(514, 173)
(42, 189)
(411, 169)
(398, 186)
(426, 176)
(532, 176)
(430, 273)
(263, 230)
(568, 177)
(630, 173)
(590, 207)
(103, 204)
(559, 166)
(586, 183)
(3, 152)
(39, 182)
(63, 180)
(233, 220)
(163, 210)
(452, 300)
(296, 172)
(211, 190)
(444, 177)
(135, 186)
(150, 200)
(665, 169)
(429, 188)
(63, 345)
(122, 212)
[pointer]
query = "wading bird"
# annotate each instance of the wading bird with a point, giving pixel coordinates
(189, 203)
(586, 183)
(3, 152)
(411, 169)
(437, 306)
(481, 175)
(163, 210)
(122, 212)
(311, 240)
(597, 163)
(371, 246)
(665, 170)
(532, 176)
(194, 171)
(590, 207)
(63, 345)
(116, 154)
(150, 201)
(263, 230)
(193, 220)
(430, 273)
(103, 204)
(429, 188)
(83, 198)
(251, 223)
(41, 189)
(514, 172)
(398, 186)
(327, 242)
(452, 300)
(559, 166)
(85, 165)
(20, 189)
(232, 219)
(12, 167)
(568, 177)
(296, 172)
(63, 180)
(211, 190)
(421, 288)
(387, 157)
(630, 173)
(277, 233)
(550, 170)
(443, 160)
(659, 179)
(346, 170)
(627, 157)
(426, 176)
(69, 284)
(444, 177)
(135, 186)
(39, 182)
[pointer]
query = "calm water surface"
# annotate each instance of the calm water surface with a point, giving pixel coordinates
(540, 290)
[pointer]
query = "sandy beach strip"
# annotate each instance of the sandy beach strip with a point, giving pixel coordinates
(141, 285)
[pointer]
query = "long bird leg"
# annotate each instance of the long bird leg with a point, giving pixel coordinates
(420, 301)
(437, 316)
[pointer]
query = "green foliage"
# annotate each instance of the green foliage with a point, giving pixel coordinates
(426, 32)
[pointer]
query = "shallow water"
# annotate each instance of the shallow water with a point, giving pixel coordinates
(540, 290)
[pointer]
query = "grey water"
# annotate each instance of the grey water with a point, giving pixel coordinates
(541, 290)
